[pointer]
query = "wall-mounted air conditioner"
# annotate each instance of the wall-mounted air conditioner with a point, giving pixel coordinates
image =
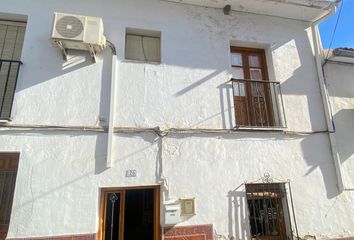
(78, 32)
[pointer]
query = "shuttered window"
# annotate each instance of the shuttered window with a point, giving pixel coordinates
(8, 173)
(11, 42)
(143, 45)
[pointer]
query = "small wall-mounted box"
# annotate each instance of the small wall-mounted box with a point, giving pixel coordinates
(172, 213)
(187, 206)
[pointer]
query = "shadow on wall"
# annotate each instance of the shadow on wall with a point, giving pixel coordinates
(57, 67)
(101, 150)
(344, 126)
(303, 81)
(76, 69)
(226, 105)
(239, 227)
(317, 154)
(101, 153)
(195, 84)
(43, 167)
(339, 79)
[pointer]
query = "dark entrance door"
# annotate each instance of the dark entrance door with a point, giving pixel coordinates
(130, 214)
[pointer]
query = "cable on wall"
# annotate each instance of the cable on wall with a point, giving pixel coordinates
(335, 29)
(112, 47)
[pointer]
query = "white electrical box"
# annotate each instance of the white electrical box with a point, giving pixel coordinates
(172, 214)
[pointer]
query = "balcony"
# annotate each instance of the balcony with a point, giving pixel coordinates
(9, 70)
(258, 104)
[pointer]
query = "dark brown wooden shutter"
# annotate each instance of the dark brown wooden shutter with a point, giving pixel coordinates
(8, 173)
(11, 42)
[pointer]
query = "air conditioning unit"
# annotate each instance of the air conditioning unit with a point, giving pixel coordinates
(78, 32)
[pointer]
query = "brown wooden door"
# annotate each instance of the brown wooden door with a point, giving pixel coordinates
(8, 172)
(129, 212)
(252, 101)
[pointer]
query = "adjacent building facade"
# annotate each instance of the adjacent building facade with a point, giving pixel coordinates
(212, 120)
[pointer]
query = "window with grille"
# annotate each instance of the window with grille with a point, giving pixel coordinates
(8, 173)
(143, 45)
(11, 42)
(268, 211)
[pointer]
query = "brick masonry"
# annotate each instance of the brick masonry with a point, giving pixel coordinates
(197, 232)
(66, 237)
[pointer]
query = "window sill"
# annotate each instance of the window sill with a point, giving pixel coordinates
(261, 129)
(140, 62)
(5, 120)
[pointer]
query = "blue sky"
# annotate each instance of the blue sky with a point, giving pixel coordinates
(344, 36)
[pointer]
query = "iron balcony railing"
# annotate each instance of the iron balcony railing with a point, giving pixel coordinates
(9, 70)
(258, 104)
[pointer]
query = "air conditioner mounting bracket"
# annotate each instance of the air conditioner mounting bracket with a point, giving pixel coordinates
(63, 50)
(92, 53)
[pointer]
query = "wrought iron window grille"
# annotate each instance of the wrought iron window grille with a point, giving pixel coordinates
(269, 203)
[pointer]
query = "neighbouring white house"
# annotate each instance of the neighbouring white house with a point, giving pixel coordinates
(338, 70)
(174, 120)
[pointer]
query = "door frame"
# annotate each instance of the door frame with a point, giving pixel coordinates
(122, 190)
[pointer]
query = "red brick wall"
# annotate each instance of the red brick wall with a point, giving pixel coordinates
(67, 237)
(197, 232)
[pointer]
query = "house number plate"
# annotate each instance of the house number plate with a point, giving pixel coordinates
(130, 173)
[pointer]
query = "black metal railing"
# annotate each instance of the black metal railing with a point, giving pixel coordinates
(258, 103)
(9, 70)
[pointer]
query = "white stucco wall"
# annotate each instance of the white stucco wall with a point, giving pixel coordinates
(340, 82)
(195, 65)
(60, 173)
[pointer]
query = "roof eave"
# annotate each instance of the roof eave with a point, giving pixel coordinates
(304, 10)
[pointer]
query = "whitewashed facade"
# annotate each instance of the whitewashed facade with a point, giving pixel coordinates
(61, 112)
(338, 73)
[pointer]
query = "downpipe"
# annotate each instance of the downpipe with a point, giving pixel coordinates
(112, 107)
(325, 96)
